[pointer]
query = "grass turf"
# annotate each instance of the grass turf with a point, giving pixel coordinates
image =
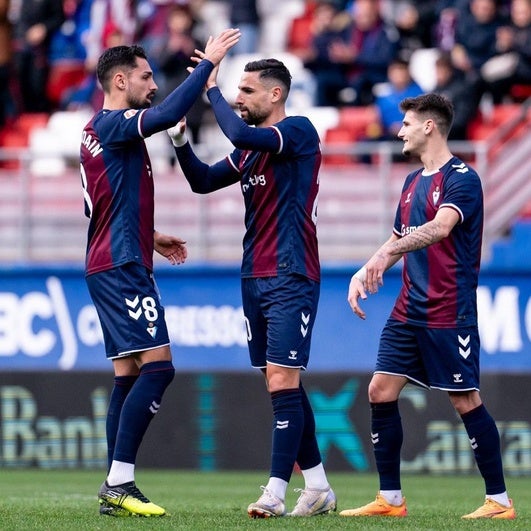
(66, 500)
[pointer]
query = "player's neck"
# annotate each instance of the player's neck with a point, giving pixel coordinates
(434, 160)
(274, 118)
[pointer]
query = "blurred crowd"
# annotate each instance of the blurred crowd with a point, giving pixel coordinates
(358, 52)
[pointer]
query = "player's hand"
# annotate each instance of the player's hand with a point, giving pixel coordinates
(356, 291)
(171, 247)
(177, 133)
(375, 268)
(217, 48)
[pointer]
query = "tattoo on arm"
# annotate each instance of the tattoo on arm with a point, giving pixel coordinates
(424, 236)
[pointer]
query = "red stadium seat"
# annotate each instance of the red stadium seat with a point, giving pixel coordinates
(340, 137)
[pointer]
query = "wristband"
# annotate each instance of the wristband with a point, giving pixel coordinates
(361, 274)
(178, 139)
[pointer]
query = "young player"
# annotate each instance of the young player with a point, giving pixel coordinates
(119, 200)
(431, 338)
(276, 164)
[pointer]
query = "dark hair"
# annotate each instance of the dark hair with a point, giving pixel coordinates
(271, 69)
(434, 106)
(115, 57)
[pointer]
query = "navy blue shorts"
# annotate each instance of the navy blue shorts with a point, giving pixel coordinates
(279, 315)
(439, 358)
(128, 305)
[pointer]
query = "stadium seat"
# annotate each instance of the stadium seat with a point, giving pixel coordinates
(359, 120)
(64, 76)
(322, 118)
(339, 137)
(520, 93)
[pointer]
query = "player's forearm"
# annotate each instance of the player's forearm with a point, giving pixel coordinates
(424, 236)
(203, 178)
(177, 103)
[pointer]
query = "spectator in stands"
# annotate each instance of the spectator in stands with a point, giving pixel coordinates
(389, 96)
(476, 43)
(414, 22)
(34, 24)
(68, 52)
(450, 83)
(109, 18)
(366, 52)
(244, 15)
(174, 58)
(512, 64)
(324, 28)
(5, 59)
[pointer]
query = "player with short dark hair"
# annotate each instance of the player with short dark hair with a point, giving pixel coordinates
(431, 337)
(276, 160)
(118, 190)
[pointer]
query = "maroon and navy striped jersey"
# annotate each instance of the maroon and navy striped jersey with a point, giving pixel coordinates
(118, 191)
(440, 281)
(280, 191)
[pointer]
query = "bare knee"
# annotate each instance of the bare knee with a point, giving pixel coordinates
(466, 401)
(385, 388)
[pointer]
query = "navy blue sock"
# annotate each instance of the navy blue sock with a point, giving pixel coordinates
(122, 386)
(140, 406)
(288, 423)
(309, 455)
(387, 437)
(485, 441)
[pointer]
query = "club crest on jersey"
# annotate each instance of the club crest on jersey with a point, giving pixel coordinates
(130, 113)
(152, 330)
(435, 195)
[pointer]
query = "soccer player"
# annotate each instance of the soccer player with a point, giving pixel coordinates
(119, 200)
(276, 164)
(431, 337)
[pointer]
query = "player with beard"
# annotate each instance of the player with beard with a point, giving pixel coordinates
(276, 161)
(431, 338)
(119, 200)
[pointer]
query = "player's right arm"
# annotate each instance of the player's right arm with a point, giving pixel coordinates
(370, 276)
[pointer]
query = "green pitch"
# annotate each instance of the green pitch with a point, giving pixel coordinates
(35, 500)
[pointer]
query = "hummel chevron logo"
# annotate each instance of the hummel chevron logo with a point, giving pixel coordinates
(462, 168)
(473, 443)
(304, 325)
(154, 407)
(282, 424)
(133, 304)
(463, 343)
(375, 438)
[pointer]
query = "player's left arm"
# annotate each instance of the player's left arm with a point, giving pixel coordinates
(431, 232)
(171, 247)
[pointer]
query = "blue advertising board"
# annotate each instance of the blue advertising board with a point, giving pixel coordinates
(47, 321)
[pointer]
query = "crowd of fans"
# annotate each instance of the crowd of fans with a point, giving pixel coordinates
(358, 51)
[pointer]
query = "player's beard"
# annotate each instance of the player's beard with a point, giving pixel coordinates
(137, 103)
(254, 118)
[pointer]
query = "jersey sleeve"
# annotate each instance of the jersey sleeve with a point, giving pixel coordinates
(117, 127)
(203, 178)
(463, 191)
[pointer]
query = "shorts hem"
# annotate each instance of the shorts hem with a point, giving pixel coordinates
(412, 380)
(301, 367)
(128, 353)
(454, 389)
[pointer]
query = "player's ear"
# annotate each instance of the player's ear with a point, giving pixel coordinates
(276, 94)
(429, 125)
(119, 80)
